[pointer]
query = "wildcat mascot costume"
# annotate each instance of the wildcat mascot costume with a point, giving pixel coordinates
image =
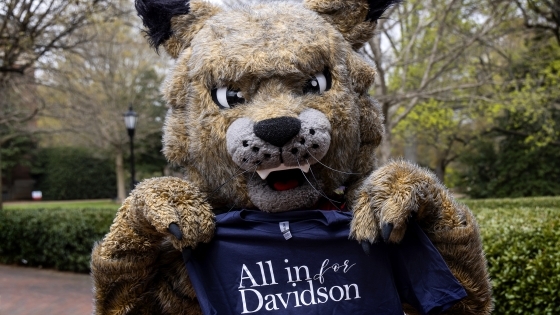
(269, 109)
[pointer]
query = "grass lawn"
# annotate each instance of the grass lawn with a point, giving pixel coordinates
(67, 204)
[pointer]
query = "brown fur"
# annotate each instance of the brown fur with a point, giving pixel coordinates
(268, 52)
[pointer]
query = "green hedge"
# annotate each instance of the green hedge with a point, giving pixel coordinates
(52, 238)
(65, 173)
(521, 239)
(515, 168)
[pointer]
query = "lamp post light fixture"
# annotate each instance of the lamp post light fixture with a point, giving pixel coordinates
(130, 119)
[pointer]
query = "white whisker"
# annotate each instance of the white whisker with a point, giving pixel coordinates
(231, 178)
(319, 191)
(228, 211)
(330, 168)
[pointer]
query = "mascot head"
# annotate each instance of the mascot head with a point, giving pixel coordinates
(268, 103)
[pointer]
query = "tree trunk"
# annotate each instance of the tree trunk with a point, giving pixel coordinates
(1, 191)
(411, 148)
(385, 148)
(440, 169)
(121, 190)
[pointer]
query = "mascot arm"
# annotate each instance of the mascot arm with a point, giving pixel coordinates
(127, 264)
(400, 191)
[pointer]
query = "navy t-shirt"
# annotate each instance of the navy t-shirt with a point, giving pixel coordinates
(302, 262)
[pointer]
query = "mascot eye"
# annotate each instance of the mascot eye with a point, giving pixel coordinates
(227, 98)
(319, 83)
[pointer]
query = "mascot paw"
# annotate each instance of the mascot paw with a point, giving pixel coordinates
(175, 209)
(176, 231)
(388, 199)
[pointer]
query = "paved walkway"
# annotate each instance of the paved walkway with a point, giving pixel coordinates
(30, 291)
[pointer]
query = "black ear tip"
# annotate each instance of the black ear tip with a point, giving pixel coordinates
(378, 7)
(156, 16)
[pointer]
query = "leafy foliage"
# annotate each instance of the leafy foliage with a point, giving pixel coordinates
(519, 156)
(532, 98)
(116, 70)
(514, 169)
(542, 16)
(521, 238)
(14, 151)
(52, 238)
(31, 33)
(49, 26)
(73, 173)
(432, 55)
(440, 130)
(150, 161)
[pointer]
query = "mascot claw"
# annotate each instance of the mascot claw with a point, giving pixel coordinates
(176, 231)
(386, 230)
(366, 246)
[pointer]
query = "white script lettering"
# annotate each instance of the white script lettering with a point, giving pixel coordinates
(334, 267)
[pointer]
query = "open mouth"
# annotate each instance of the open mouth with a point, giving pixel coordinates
(283, 188)
(285, 180)
(264, 173)
(284, 177)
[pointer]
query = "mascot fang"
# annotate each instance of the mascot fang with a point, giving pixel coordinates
(269, 110)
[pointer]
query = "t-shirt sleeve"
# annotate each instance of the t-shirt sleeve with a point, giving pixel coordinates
(421, 275)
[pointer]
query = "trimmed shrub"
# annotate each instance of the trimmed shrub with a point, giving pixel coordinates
(52, 238)
(73, 173)
(521, 238)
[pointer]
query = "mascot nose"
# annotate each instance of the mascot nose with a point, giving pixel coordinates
(277, 131)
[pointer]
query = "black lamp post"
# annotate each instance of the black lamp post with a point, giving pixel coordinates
(130, 119)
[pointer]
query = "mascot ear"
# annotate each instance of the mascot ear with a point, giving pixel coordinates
(173, 23)
(355, 19)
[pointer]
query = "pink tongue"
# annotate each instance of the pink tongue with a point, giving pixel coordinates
(290, 184)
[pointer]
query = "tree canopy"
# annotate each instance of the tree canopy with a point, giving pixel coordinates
(469, 88)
